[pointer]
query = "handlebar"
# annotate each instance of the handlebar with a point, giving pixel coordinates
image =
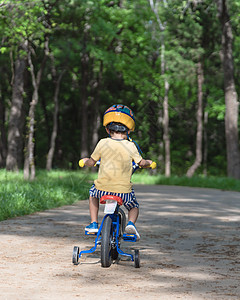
(153, 165)
(135, 166)
(81, 163)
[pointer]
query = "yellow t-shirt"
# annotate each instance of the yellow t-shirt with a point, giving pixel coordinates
(115, 169)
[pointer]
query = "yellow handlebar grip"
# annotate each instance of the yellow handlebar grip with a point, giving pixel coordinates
(153, 165)
(81, 163)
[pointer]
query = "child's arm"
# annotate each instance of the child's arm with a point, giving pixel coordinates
(89, 162)
(145, 163)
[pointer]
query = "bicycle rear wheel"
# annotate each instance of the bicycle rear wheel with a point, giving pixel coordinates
(122, 225)
(107, 234)
(136, 258)
(75, 255)
(122, 221)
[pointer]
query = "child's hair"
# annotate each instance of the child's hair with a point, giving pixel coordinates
(117, 127)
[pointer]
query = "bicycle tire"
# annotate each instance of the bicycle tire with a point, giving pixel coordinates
(75, 255)
(122, 221)
(122, 225)
(106, 257)
(136, 258)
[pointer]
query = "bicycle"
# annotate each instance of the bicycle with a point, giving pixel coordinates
(110, 233)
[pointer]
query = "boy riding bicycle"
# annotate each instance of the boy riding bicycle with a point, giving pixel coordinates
(117, 152)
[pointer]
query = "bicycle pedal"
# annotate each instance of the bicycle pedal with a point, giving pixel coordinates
(90, 233)
(128, 237)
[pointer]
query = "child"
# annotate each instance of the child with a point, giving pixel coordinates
(114, 177)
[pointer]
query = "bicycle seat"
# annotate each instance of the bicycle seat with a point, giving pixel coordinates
(111, 197)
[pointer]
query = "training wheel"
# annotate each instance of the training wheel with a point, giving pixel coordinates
(75, 255)
(136, 258)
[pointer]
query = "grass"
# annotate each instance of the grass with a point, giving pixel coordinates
(50, 189)
(57, 188)
(221, 183)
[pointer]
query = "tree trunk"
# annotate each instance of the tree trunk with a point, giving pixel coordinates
(3, 136)
(29, 163)
(166, 138)
(55, 124)
(84, 99)
(231, 98)
(14, 130)
(205, 151)
(97, 119)
(198, 159)
(166, 131)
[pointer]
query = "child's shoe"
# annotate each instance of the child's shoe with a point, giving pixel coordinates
(131, 228)
(93, 227)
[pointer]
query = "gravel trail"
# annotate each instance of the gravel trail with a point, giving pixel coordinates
(189, 249)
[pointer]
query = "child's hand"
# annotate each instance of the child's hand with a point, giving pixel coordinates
(149, 162)
(145, 163)
(89, 162)
(85, 159)
(82, 162)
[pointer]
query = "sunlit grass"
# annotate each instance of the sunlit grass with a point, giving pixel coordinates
(49, 189)
(222, 183)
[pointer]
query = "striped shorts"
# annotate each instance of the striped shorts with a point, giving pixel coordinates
(129, 199)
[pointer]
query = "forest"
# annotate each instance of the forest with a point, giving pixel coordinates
(175, 63)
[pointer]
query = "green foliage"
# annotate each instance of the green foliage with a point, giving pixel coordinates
(111, 51)
(23, 21)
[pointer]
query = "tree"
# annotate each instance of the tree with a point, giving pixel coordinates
(130, 52)
(29, 163)
(37, 32)
(166, 138)
(12, 16)
(55, 122)
(25, 24)
(15, 122)
(199, 135)
(3, 136)
(231, 97)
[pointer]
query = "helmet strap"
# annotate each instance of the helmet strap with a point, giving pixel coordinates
(128, 137)
(131, 140)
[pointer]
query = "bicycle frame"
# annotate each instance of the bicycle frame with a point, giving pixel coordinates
(116, 228)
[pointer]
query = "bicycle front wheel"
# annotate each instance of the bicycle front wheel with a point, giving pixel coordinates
(107, 234)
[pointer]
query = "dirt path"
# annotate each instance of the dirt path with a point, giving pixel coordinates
(190, 249)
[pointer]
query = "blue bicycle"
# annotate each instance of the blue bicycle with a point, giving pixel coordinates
(110, 234)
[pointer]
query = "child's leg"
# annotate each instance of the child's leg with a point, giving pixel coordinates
(93, 207)
(132, 218)
(133, 214)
